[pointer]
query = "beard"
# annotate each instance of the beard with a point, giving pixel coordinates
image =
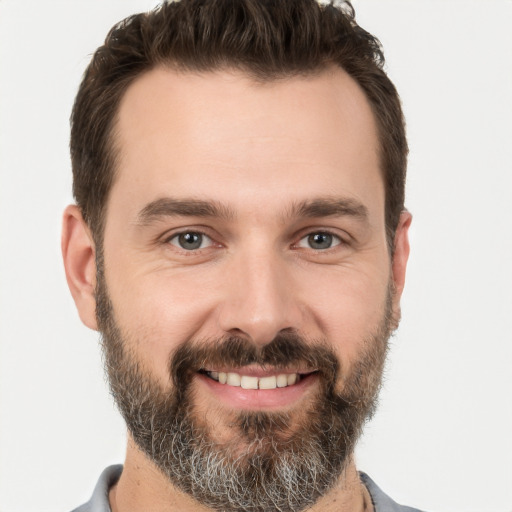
(281, 461)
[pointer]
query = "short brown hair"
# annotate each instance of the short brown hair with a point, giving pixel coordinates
(267, 39)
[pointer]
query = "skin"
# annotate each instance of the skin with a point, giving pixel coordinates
(256, 150)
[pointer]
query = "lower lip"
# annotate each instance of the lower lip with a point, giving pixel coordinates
(259, 399)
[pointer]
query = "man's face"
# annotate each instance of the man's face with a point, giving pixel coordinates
(245, 241)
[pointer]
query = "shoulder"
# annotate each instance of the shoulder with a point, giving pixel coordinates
(99, 499)
(381, 501)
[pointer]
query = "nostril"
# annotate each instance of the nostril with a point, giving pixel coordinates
(258, 318)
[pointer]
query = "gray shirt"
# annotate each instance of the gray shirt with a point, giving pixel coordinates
(99, 500)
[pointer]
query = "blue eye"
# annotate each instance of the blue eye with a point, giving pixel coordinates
(190, 240)
(319, 241)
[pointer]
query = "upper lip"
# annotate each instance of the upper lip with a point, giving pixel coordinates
(259, 371)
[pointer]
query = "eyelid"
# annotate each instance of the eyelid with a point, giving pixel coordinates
(173, 232)
(342, 237)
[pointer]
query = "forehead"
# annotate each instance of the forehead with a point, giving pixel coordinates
(222, 134)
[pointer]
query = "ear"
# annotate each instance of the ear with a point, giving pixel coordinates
(400, 257)
(79, 254)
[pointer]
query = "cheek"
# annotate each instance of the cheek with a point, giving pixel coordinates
(349, 308)
(157, 312)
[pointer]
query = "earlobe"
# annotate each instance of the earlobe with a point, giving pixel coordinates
(400, 258)
(78, 252)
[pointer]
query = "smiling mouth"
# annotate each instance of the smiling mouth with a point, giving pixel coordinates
(278, 380)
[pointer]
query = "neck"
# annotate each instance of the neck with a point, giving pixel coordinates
(143, 487)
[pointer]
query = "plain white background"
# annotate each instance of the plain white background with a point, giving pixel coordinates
(442, 439)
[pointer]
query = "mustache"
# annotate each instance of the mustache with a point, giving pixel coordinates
(286, 350)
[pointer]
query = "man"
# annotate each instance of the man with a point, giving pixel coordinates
(240, 241)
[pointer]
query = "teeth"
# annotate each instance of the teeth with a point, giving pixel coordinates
(292, 379)
(234, 379)
(282, 381)
(268, 382)
(248, 382)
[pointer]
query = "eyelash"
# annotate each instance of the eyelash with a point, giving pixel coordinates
(176, 236)
(336, 241)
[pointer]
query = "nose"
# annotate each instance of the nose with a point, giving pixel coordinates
(260, 297)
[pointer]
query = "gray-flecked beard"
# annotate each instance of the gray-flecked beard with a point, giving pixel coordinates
(272, 461)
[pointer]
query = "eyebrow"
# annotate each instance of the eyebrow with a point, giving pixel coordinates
(330, 207)
(320, 207)
(171, 207)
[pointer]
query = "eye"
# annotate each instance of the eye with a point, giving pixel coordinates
(319, 241)
(190, 240)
